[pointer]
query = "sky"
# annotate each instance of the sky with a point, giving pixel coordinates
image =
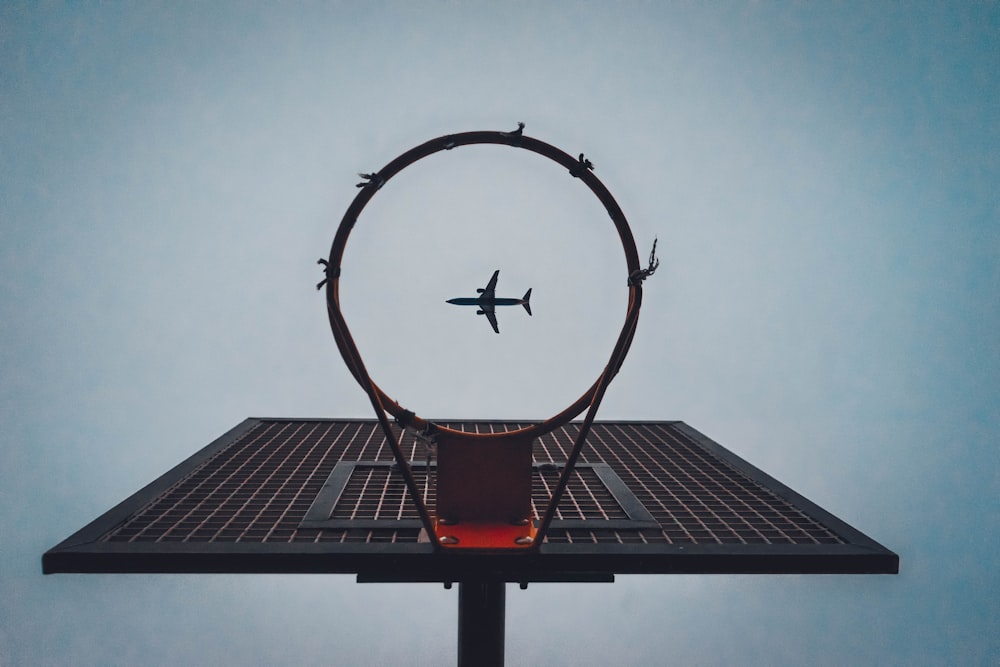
(821, 178)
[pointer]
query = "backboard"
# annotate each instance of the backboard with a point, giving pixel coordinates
(326, 496)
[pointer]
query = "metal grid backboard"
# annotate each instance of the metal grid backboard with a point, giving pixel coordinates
(324, 495)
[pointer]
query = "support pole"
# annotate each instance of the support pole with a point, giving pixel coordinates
(481, 617)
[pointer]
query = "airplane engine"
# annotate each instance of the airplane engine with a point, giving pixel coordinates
(480, 312)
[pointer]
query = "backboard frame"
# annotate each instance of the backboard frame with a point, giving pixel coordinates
(84, 551)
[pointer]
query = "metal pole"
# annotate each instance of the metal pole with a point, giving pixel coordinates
(481, 612)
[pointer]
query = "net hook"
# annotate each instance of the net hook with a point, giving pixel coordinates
(637, 276)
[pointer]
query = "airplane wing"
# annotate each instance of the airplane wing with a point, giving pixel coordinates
(491, 286)
(492, 317)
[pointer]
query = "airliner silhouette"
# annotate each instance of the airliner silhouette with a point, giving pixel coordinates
(488, 301)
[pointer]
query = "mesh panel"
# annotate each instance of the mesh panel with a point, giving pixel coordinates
(259, 488)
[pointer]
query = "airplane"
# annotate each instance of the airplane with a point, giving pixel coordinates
(487, 301)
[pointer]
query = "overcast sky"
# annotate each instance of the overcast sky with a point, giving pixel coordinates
(823, 184)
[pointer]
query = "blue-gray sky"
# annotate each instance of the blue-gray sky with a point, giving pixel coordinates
(823, 182)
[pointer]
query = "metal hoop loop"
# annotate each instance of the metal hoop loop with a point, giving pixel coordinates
(345, 343)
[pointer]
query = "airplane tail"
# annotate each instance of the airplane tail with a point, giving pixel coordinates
(524, 301)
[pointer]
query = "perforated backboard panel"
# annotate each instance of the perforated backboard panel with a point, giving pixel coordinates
(324, 495)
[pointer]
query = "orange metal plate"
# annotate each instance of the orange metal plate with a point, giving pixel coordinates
(484, 492)
(480, 535)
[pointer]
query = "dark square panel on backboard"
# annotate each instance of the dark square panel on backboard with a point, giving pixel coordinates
(324, 495)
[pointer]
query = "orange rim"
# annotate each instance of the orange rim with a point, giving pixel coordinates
(342, 335)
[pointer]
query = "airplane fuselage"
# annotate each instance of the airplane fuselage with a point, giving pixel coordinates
(479, 301)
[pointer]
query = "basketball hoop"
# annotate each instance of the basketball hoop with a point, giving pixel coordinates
(508, 453)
